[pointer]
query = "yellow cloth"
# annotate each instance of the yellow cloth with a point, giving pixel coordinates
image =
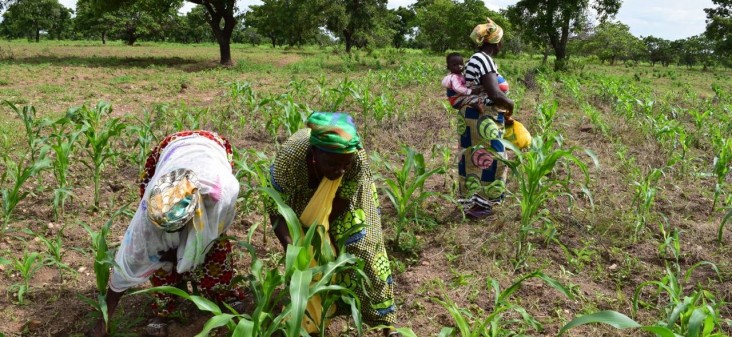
(317, 212)
(518, 135)
(488, 32)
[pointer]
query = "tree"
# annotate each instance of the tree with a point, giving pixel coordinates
(352, 20)
(141, 19)
(694, 50)
(30, 17)
(719, 26)
(552, 21)
(294, 22)
(220, 16)
(404, 22)
(446, 24)
(659, 50)
(613, 41)
(267, 20)
(89, 23)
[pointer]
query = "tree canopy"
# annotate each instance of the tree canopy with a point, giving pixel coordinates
(28, 18)
(553, 21)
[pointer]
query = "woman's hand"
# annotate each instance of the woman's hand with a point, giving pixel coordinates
(281, 230)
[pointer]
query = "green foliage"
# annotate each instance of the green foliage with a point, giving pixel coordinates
(719, 29)
(355, 22)
(644, 198)
(537, 178)
(550, 22)
(54, 251)
(721, 166)
(63, 144)
(406, 189)
(613, 41)
(19, 172)
(304, 17)
(252, 170)
(26, 268)
(445, 24)
(282, 312)
(28, 18)
(498, 323)
(32, 126)
(99, 138)
(103, 262)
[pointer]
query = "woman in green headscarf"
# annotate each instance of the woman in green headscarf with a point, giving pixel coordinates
(482, 177)
(330, 149)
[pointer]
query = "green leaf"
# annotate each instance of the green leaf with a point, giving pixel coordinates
(613, 318)
(446, 332)
(205, 304)
(213, 323)
(695, 322)
(660, 331)
(299, 294)
(245, 328)
(165, 289)
(720, 232)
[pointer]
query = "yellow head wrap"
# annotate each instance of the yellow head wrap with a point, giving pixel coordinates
(488, 32)
(173, 200)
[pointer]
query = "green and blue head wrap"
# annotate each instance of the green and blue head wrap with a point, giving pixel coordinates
(334, 132)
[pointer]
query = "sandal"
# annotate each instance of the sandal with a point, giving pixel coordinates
(158, 327)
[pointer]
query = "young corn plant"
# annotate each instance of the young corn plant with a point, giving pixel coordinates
(26, 267)
(596, 119)
(500, 322)
(538, 182)
(252, 170)
(32, 126)
(282, 312)
(720, 231)
(19, 173)
(144, 138)
(644, 198)
(54, 252)
(698, 314)
(99, 139)
(721, 167)
(103, 263)
(63, 143)
(406, 189)
(547, 114)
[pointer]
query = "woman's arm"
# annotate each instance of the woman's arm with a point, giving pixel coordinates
(281, 230)
(490, 87)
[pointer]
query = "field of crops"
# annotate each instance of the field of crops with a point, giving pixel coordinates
(618, 205)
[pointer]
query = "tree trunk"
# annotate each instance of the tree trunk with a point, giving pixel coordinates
(274, 41)
(560, 45)
(221, 11)
(38, 34)
(349, 41)
(104, 37)
(225, 50)
(546, 56)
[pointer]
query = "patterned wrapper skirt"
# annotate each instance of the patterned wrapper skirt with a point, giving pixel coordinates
(482, 175)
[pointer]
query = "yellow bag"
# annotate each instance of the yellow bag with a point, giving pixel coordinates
(518, 135)
(317, 212)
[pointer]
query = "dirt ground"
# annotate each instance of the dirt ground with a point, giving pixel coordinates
(453, 259)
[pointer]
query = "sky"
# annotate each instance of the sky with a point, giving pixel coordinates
(668, 19)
